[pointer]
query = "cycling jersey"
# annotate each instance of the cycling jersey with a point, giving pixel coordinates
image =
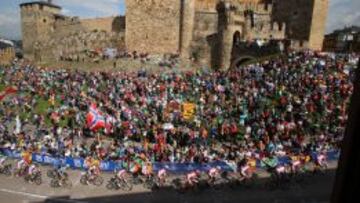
(192, 177)
(295, 163)
(94, 170)
(280, 169)
(147, 170)
(121, 173)
(2, 160)
(21, 163)
(32, 169)
(135, 168)
(213, 172)
(321, 159)
(161, 173)
(244, 170)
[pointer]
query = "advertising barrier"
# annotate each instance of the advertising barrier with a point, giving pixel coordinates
(78, 163)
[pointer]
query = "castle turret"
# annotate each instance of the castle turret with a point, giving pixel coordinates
(229, 23)
(37, 19)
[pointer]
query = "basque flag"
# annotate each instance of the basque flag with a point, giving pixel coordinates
(94, 119)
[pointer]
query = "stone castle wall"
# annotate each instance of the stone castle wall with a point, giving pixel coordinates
(105, 24)
(318, 24)
(49, 35)
(7, 55)
(153, 26)
(194, 28)
(205, 37)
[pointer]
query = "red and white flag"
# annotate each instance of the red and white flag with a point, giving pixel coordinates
(7, 91)
(94, 119)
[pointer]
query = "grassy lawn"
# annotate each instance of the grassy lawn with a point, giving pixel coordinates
(2, 87)
(41, 108)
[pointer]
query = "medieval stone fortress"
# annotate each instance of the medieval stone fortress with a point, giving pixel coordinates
(204, 30)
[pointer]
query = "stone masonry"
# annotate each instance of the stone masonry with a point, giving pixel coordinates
(201, 30)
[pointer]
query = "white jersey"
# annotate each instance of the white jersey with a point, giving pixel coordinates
(2, 161)
(161, 173)
(121, 173)
(32, 168)
(280, 169)
(213, 172)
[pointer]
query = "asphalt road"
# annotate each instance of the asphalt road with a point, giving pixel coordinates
(15, 190)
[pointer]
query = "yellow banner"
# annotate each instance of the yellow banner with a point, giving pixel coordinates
(188, 110)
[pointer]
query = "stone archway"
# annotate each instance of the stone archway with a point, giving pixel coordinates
(236, 38)
(241, 60)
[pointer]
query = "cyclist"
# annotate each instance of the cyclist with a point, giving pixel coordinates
(25, 161)
(61, 173)
(2, 161)
(213, 173)
(94, 170)
(162, 176)
(193, 177)
(135, 169)
(245, 169)
(147, 170)
(33, 169)
(295, 163)
(320, 161)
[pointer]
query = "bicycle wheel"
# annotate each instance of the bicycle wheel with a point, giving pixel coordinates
(67, 184)
(98, 181)
(27, 178)
(38, 180)
(50, 173)
(83, 179)
(110, 186)
(54, 183)
(148, 184)
(7, 170)
(126, 185)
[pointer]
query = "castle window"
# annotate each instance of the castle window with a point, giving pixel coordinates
(301, 43)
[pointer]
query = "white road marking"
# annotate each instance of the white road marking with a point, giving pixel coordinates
(24, 194)
(39, 196)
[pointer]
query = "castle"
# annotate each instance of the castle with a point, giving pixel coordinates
(205, 30)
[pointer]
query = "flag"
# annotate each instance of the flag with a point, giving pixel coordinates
(7, 91)
(188, 110)
(94, 119)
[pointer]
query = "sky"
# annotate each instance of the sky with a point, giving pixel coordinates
(341, 13)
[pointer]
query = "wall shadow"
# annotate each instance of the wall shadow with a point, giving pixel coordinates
(312, 188)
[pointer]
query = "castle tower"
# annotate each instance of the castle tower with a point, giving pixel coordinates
(305, 20)
(37, 19)
(186, 26)
(318, 23)
(228, 24)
